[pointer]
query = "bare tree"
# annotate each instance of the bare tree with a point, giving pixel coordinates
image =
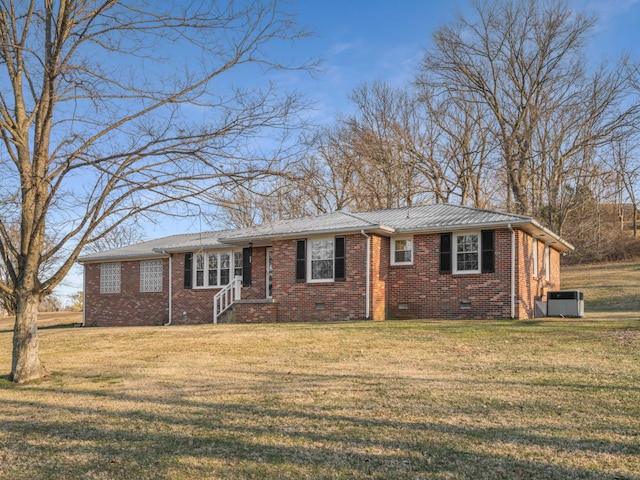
(121, 235)
(115, 109)
(459, 164)
(517, 59)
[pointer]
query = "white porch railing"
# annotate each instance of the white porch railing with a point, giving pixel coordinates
(226, 297)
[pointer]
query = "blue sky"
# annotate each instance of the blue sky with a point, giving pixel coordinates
(366, 40)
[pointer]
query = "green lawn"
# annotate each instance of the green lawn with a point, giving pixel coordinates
(543, 399)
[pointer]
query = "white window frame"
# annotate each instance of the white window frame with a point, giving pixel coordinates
(206, 256)
(547, 263)
(151, 272)
(408, 238)
(110, 278)
(534, 258)
(454, 253)
(310, 260)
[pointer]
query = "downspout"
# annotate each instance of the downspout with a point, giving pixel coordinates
(513, 271)
(84, 295)
(170, 289)
(367, 312)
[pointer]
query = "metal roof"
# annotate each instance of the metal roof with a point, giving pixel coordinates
(426, 218)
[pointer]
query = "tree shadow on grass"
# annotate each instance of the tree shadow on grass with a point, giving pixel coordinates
(97, 433)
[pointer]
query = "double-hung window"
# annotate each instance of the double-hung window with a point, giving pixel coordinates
(321, 260)
(402, 251)
(467, 252)
(547, 263)
(467, 248)
(534, 258)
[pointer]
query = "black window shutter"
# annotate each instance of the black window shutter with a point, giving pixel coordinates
(188, 272)
(246, 266)
(445, 253)
(488, 256)
(301, 260)
(339, 260)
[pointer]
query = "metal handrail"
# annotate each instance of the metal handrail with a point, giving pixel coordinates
(226, 297)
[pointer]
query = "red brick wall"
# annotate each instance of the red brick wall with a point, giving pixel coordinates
(325, 301)
(379, 276)
(420, 288)
(420, 291)
(195, 305)
(256, 312)
(130, 306)
(532, 283)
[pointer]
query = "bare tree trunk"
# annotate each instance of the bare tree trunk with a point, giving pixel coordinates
(26, 364)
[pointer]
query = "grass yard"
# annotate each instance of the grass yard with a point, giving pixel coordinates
(543, 399)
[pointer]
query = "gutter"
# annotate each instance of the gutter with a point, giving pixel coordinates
(367, 308)
(379, 228)
(513, 271)
(170, 288)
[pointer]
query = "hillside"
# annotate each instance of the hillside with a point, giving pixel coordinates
(607, 287)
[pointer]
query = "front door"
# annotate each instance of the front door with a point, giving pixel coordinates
(269, 272)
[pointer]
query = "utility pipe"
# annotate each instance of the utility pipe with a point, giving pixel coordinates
(513, 271)
(367, 311)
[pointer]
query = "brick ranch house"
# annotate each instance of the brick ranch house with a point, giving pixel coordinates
(435, 261)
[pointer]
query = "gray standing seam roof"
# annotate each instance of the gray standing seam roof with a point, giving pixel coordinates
(425, 218)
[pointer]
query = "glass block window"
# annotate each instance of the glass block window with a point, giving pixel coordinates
(467, 253)
(151, 276)
(110, 277)
(321, 259)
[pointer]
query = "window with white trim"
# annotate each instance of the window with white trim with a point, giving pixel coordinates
(402, 251)
(214, 269)
(321, 257)
(467, 253)
(534, 258)
(547, 263)
(151, 276)
(110, 277)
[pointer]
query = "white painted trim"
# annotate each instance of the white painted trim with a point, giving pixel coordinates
(392, 253)
(266, 262)
(333, 259)
(454, 251)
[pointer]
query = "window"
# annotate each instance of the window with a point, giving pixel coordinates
(215, 269)
(321, 260)
(110, 277)
(237, 264)
(534, 258)
(467, 253)
(547, 263)
(402, 251)
(151, 276)
(199, 270)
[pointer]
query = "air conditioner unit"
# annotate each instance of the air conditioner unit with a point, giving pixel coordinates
(565, 303)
